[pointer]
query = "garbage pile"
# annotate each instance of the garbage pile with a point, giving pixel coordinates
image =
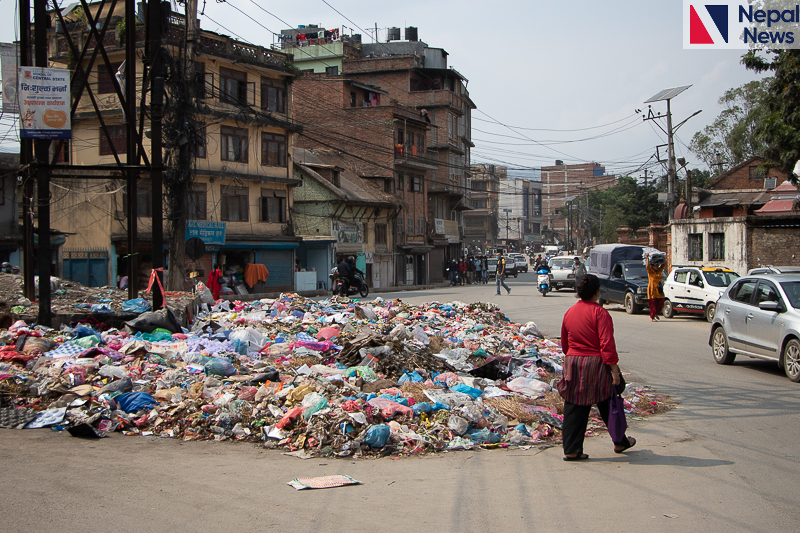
(334, 377)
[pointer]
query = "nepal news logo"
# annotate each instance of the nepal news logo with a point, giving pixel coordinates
(738, 24)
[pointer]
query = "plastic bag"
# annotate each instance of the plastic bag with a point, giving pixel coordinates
(326, 334)
(219, 367)
(531, 329)
(466, 389)
(134, 401)
(389, 408)
(313, 403)
(255, 340)
(528, 386)
(457, 424)
(420, 335)
(412, 377)
(113, 371)
(137, 305)
(377, 436)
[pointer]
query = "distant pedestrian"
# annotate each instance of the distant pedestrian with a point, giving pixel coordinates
(590, 368)
(485, 269)
(578, 271)
(655, 284)
(462, 271)
(453, 269)
(470, 269)
(477, 264)
(500, 273)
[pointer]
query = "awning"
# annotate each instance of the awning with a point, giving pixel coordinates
(259, 246)
(413, 250)
(318, 239)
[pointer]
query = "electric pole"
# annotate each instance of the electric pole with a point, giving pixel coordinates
(42, 151)
(155, 21)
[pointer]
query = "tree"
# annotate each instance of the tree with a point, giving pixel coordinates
(780, 128)
(627, 203)
(734, 133)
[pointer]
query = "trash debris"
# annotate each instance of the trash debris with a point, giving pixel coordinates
(327, 482)
(330, 378)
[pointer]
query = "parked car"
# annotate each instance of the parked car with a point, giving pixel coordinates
(695, 290)
(520, 261)
(623, 276)
(769, 269)
(759, 316)
(511, 267)
(561, 276)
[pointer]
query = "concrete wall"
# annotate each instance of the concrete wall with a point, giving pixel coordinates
(736, 242)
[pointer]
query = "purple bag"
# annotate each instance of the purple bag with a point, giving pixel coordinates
(616, 417)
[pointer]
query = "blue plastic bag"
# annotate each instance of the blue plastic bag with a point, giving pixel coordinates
(84, 331)
(101, 308)
(377, 436)
(219, 367)
(466, 389)
(482, 435)
(422, 407)
(412, 377)
(132, 402)
(137, 305)
(438, 406)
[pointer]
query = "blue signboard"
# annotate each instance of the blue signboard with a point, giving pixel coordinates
(208, 232)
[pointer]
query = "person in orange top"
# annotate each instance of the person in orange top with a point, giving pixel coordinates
(655, 287)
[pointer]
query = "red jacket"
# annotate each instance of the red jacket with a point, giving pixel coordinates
(587, 330)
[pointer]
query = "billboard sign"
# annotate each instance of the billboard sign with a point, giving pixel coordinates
(44, 103)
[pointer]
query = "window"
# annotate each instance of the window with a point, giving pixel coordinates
(273, 206)
(62, 156)
(232, 86)
(352, 99)
(273, 95)
(743, 292)
(380, 233)
(200, 144)
(235, 204)
(717, 246)
(479, 203)
(695, 279)
(411, 225)
(450, 127)
(199, 79)
(233, 144)
(421, 225)
(681, 275)
(420, 144)
(332, 71)
(337, 182)
(414, 183)
(475, 222)
(767, 293)
(119, 138)
(399, 147)
(400, 225)
(388, 185)
(757, 172)
(478, 185)
(197, 202)
(695, 247)
(273, 150)
(105, 78)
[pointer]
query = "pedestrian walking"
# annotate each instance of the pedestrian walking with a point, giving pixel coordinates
(655, 284)
(462, 271)
(477, 264)
(590, 368)
(453, 269)
(470, 269)
(500, 273)
(578, 271)
(485, 269)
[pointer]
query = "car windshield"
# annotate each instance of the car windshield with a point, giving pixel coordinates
(635, 271)
(561, 263)
(792, 290)
(720, 279)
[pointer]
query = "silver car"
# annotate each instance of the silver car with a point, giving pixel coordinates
(561, 276)
(759, 316)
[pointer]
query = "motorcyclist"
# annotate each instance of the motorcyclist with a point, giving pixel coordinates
(543, 268)
(353, 270)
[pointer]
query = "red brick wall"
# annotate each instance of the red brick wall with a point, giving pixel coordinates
(773, 246)
(378, 63)
(739, 178)
(562, 181)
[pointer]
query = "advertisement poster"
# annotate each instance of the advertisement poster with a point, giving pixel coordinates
(44, 100)
(208, 232)
(8, 68)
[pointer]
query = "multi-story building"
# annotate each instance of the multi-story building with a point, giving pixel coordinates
(519, 213)
(416, 76)
(561, 184)
(384, 142)
(240, 196)
(481, 224)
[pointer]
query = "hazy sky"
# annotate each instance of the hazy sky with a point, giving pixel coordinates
(530, 64)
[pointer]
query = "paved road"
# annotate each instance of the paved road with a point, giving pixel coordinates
(724, 461)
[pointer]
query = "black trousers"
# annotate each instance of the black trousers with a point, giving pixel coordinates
(576, 418)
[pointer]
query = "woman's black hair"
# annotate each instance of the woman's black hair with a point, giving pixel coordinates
(588, 286)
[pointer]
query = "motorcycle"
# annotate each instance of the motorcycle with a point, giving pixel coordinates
(543, 282)
(360, 287)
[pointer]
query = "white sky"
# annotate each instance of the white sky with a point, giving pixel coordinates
(531, 64)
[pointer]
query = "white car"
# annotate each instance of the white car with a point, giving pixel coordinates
(695, 290)
(520, 261)
(561, 276)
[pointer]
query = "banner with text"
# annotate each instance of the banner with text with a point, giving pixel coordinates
(44, 100)
(8, 67)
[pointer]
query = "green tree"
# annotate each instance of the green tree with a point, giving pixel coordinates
(627, 203)
(780, 128)
(734, 133)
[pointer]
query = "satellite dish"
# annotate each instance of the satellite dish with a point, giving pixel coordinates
(195, 248)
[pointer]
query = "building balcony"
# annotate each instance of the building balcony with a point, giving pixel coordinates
(435, 98)
(410, 156)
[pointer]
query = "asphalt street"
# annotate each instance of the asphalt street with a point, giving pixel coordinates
(724, 460)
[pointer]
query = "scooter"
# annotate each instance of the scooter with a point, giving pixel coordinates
(359, 287)
(543, 282)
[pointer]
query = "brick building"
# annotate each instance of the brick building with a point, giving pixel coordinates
(561, 182)
(480, 224)
(381, 141)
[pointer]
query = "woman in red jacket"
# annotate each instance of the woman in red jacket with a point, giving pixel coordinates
(590, 367)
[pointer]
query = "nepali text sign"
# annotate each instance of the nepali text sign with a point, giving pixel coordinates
(208, 232)
(44, 103)
(8, 66)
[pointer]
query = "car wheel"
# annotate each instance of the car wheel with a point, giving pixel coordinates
(719, 347)
(669, 312)
(631, 307)
(791, 360)
(710, 310)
